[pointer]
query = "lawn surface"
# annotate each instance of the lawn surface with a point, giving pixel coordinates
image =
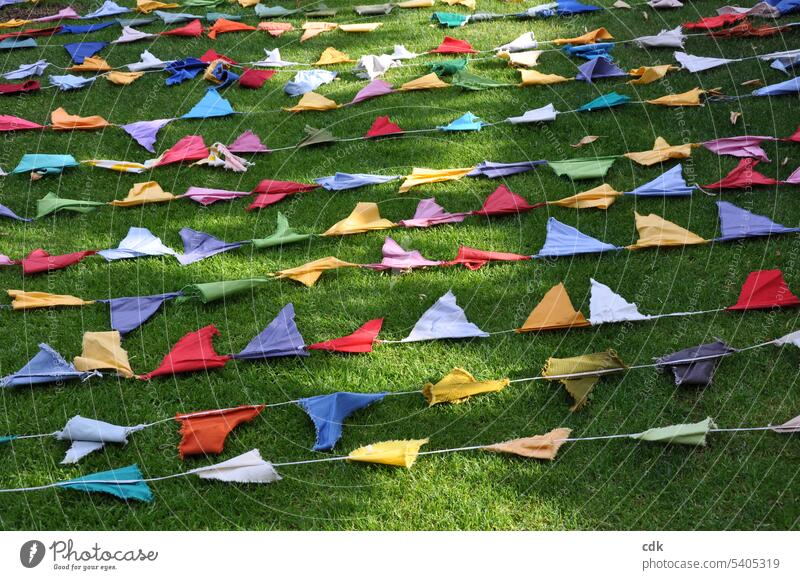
(740, 481)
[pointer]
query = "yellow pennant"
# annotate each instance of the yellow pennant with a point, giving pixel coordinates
(660, 152)
(458, 386)
(142, 193)
(533, 77)
(397, 453)
(310, 272)
(655, 231)
(103, 351)
(364, 218)
(312, 101)
(600, 197)
(579, 387)
(23, 300)
(553, 312)
(423, 176)
(429, 81)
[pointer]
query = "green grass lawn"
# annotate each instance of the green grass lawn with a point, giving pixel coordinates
(743, 481)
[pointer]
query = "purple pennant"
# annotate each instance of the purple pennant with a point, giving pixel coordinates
(695, 365)
(429, 213)
(376, 88)
(492, 169)
(207, 196)
(736, 223)
(145, 132)
(741, 146)
(598, 68)
(200, 245)
(128, 314)
(396, 258)
(280, 338)
(7, 213)
(248, 142)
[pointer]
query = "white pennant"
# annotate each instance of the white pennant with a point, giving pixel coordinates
(606, 306)
(245, 468)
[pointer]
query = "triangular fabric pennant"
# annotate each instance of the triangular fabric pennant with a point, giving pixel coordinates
(194, 352)
(309, 273)
(564, 240)
(12, 123)
(189, 148)
(588, 369)
(537, 447)
(103, 351)
(80, 50)
(765, 289)
(540, 115)
(606, 306)
(397, 258)
(661, 151)
(253, 78)
(44, 163)
(328, 412)
(592, 168)
(394, 453)
(23, 300)
(687, 434)
(700, 372)
(458, 386)
(51, 204)
(669, 184)
(493, 169)
(426, 82)
(143, 193)
(140, 242)
(248, 142)
(737, 223)
(452, 45)
(695, 64)
(429, 213)
(424, 176)
(655, 232)
(343, 181)
(204, 432)
(129, 313)
(532, 78)
(688, 99)
(39, 261)
(741, 146)
(605, 102)
(444, 320)
(200, 245)
(362, 340)
(192, 30)
(474, 259)
(364, 218)
(376, 88)
(47, 366)
(211, 105)
(554, 311)
(208, 292)
(125, 483)
(89, 435)
(146, 132)
(223, 25)
(665, 39)
(280, 338)
(600, 197)
(598, 68)
(503, 201)
(271, 191)
(283, 235)
(316, 136)
(743, 176)
(382, 127)
(466, 122)
(590, 37)
(312, 101)
(245, 468)
(790, 426)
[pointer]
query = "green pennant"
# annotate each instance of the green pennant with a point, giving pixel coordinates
(583, 168)
(605, 102)
(213, 291)
(446, 68)
(449, 19)
(373, 9)
(201, 3)
(316, 136)
(685, 434)
(51, 203)
(467, 80)
(283, 235)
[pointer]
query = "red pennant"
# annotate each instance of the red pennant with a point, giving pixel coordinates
(743, 176)
(211, 55)
(205, 432)
(474, 259)
(502, 202)
(747, 30)
(26, 87)
(712, 22)
(194, 28)
(383, 126)
(765, 289)
(452, 45)
(255, 79)
(194, 352)
(31, 32)
(189, 148)
(360, 341)
(223, 25)
(12, 123)
(272, 191)
(39, 261)
(795, 137)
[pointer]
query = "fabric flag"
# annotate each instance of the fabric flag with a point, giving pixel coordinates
(606, 306)
(12, 43)
(312, 29)
(306, 81)
(142, 193)
(331, 56)
(83, 28)
(328, 412)
(193, 30)
(466, 122)
(458, 386)
(263, 11)
(467, 80)
(271, 191)
(526, 41)
(206, 196)
(394, 453)
(474, 259)
(316, 136)
(791, 426)
(661, 151)
(429, 81)
(129, 34)
(129, 313)
(184, 70)
(200, 245)
(280, 338)
(8, 213)
(792, 338)
(493, 170)
(147, 6)
(526, 59)
(39, 261)
(445, 319)
(248, 142)
(245, 468)
(688, 99)
(275, 29)
(665, 39)
(211, 105)
(765, 289)
(711, 22)
(88, 435)
(689, 434)
(654, 232)
(695, 365)
(123, 78)
(605, 102)
(537, 447)
(312, 101)
(668, 184)
(212, 291)
(362, 340)
(591, 168)
(51, 204)
(452, 45)
(600, 197)
(145, 132)
(546, 113)
(283, 235)
(741, 146)
(429, 213)
(373, 9)
(223, 25)
(365, 217)
(423, 176)
(273, 59)
(503, 201)
(22, 300)
(589, 38)
(449, 67)
(531, 77)
(103, 351)
(91, 64)
(31, 86)
(309, 273)
(125, 483)
(254, 79)
(27, 70)
(371, 66)
(590, 51)
(147, 61)
(588, 367)
(382, 127)
(60, 120)
(139, 243)
(743, 176)
(204, 432)
(695, 64)
(47, 366)
(564, 240)
(397, 258)
(194, 352)
(80, 50)
(12, 123)
(554, 311)
(375, 88)
(598, 68)
(737, 223)
(44, 164)
(189, 148)
(650, 74)
(790, 87)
